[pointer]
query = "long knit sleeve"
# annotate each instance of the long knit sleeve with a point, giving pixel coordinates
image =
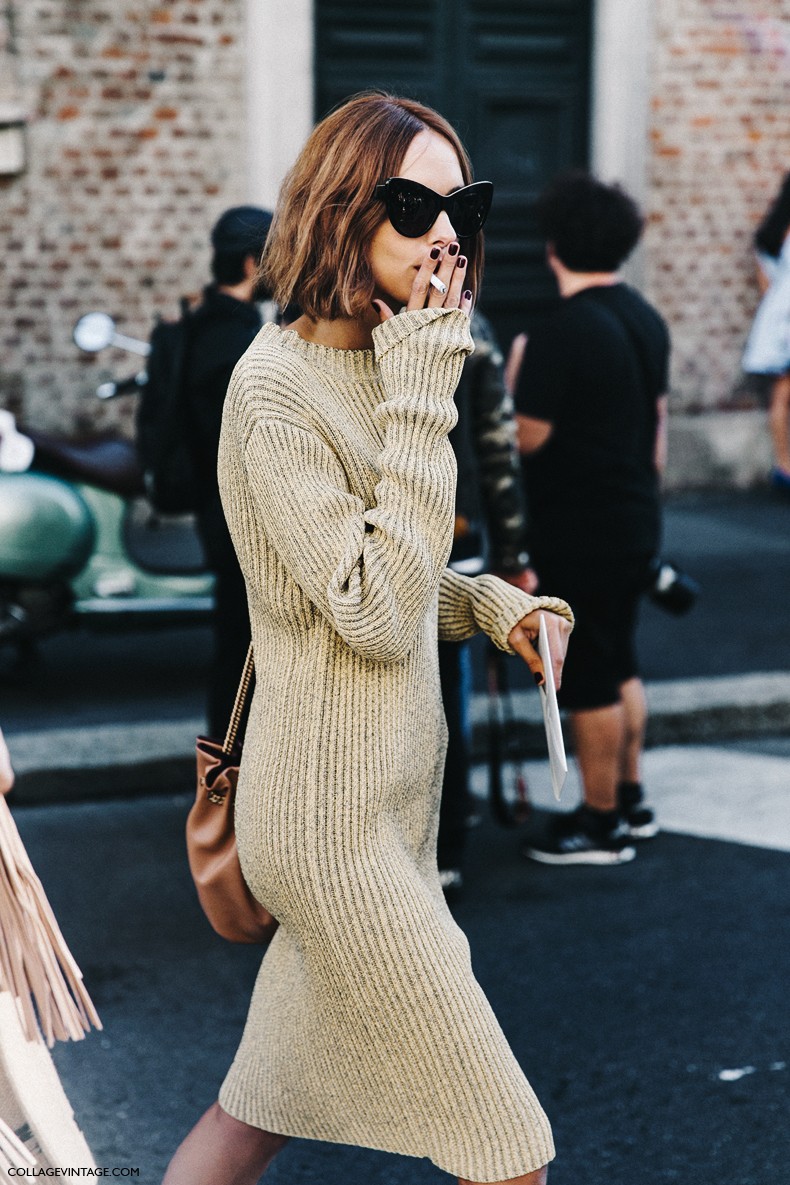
(371, 569)
(468, 604)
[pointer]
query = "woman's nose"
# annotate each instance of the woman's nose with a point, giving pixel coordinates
(443, 232)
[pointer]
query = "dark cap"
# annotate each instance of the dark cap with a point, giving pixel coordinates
(241, 230)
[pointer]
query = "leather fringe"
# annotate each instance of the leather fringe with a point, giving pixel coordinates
(35, 962)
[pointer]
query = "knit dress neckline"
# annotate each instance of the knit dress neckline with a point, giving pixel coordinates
(354, 364)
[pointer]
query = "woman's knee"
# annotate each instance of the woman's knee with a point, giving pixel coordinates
(244, 1135)
(539, 1177)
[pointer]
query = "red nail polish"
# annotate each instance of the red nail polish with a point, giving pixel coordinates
(538, 678)
(468, 294)
(461, 261)
(452, 249)
(435, 253)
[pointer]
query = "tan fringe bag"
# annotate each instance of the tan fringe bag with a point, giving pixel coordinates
(35, 962)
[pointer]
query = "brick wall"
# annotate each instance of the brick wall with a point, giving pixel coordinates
(135, 144)
(720, 145)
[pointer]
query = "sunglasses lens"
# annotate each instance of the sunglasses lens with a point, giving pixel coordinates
(412, 209)
(469, 210)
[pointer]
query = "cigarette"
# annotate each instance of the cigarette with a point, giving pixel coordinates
(438, 284)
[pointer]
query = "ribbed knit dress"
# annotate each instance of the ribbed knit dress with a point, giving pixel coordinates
(366, 1024)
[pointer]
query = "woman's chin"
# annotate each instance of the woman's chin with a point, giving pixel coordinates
(394, 300)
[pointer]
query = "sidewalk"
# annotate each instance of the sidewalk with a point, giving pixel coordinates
(110, 716)
(151, 757)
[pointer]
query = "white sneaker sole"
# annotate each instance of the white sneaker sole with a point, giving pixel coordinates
(624, 856)
(647, 831)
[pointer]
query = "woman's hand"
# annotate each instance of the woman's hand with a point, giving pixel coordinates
(525, 633)
(449, 268)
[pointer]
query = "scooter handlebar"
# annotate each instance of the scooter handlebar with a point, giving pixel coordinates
(123, 386)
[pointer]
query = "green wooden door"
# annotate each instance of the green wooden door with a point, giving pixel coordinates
(513, 76)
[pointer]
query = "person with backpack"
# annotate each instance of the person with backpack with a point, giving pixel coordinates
(590, 415)
(178, 429)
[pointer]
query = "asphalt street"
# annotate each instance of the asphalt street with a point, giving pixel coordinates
(647, 1003)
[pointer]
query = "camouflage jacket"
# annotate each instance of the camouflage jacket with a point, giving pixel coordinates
(489, 499)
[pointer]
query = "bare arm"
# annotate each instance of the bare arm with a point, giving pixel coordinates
(514, 359)
(763, 279)
(531, 434)
(660, 452)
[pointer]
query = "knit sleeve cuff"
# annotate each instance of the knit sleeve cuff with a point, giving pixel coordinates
(454, 333)
(504, 606)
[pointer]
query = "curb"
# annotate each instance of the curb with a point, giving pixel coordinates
(126, 760)
(680, 711)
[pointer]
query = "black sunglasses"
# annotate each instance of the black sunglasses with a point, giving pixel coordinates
(413, 208)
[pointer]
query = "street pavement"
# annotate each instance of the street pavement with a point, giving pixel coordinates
(647, 1003)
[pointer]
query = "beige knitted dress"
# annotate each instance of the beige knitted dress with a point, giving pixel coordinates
(366, 1025)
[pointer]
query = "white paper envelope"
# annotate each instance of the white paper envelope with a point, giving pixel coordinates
(558, 763)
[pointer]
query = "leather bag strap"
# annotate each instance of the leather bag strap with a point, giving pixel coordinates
(229, 743)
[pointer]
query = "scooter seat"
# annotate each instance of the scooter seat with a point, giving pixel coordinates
(109, 462)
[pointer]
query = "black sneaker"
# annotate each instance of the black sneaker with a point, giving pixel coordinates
(638, 818)
(579, 838)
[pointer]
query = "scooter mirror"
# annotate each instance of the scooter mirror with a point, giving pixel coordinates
(94, 332)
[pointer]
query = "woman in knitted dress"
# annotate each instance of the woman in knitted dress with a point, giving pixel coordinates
(366, 1025)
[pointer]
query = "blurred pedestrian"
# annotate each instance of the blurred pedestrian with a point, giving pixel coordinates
(220, 329)
(590, 413)
(366, 1024)
(767, 348)
(489, 518)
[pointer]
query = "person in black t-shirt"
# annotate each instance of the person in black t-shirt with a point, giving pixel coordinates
(591, 404)
(221, 328)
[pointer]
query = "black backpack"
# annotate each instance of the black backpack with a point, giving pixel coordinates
(164, 445)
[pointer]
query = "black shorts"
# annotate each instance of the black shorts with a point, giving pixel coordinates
(604, 596)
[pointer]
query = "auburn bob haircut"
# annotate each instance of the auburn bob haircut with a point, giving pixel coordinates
(317, 251)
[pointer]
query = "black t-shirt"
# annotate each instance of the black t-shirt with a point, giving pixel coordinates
(595, 369)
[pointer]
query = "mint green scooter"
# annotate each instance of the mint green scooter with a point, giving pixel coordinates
(79, 543)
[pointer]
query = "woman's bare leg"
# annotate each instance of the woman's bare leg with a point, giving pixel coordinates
(779, 422)
(539, 1177)
(220, 1150)
(634, 701)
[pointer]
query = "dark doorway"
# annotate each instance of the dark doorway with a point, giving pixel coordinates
(513, 76)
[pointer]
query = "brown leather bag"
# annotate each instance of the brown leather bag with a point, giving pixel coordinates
(211, 835)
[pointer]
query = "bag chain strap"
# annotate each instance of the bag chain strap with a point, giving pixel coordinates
(241, 699)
